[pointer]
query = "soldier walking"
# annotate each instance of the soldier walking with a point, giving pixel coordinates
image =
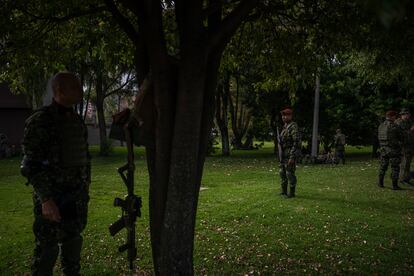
(407, 126)
(339, 143)
(56, 163)
(290, 146)
(389, 136)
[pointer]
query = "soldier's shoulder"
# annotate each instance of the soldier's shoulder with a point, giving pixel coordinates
(294, 125)
(40, 116)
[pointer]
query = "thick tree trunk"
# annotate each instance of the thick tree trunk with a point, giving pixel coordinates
(82, 80)
(173, 206)
(225, 141)
(103, 140)
(315, 129)
(240, 118)
(222, 104)
(183, 184)
(184, 103)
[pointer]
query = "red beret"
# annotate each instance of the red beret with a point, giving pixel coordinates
(391, 113)
(286, 111)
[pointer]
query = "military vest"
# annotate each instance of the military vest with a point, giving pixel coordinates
(390, 135)
(340, 141)
(73, 144)
(287, 135)
(383, 131)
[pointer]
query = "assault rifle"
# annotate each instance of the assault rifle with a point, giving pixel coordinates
(279, 147)
(131, 204)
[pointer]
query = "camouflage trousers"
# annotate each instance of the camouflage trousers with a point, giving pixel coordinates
(287, 175)
(66, 235)
(385, 160)
(339, 155)
(405, 165)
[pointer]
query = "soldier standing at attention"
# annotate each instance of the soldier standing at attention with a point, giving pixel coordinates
(407, 126)
(339, 146)
(290, 144)
(389, 136)
(56, 163)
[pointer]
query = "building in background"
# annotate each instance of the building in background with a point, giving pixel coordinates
(14, 110)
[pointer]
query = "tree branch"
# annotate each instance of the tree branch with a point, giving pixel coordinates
(130, 5)
(189, 21)
(222, 34)
(75, 14)
(128, 81)
(116, 78)
(122, 21)
(150, 24)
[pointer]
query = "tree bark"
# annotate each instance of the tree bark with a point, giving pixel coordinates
(222, 104)
(240, 118)
(103, 140)
(315, 132)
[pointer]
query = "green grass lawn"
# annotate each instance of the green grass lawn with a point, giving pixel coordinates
(339, 223)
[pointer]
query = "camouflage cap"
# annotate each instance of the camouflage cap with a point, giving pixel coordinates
(404, 111)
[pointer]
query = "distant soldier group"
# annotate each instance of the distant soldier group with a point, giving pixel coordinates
(396, 140)
(290, 144)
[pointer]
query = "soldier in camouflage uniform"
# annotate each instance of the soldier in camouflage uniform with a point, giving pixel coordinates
(56, 163)
(291, 145)
(339, 143)
(407, 126)
(389, 136)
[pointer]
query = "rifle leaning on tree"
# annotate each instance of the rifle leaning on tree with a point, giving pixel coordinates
(131, 204)
(135, 128)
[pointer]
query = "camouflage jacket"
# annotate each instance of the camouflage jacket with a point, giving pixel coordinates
(390, 137)
(290, 141)
(408, 135)
(44, 153)
(340, 141)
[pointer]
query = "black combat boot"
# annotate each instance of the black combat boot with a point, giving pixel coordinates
(395, 185)
(284, 190)
(292, 192)
(381, 182)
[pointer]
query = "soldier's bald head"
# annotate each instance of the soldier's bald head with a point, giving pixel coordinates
(67, 89)
(64, 80)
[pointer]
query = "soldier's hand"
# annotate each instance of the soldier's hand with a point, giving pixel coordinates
(291, 162)
(50, 211)
(412, 128)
